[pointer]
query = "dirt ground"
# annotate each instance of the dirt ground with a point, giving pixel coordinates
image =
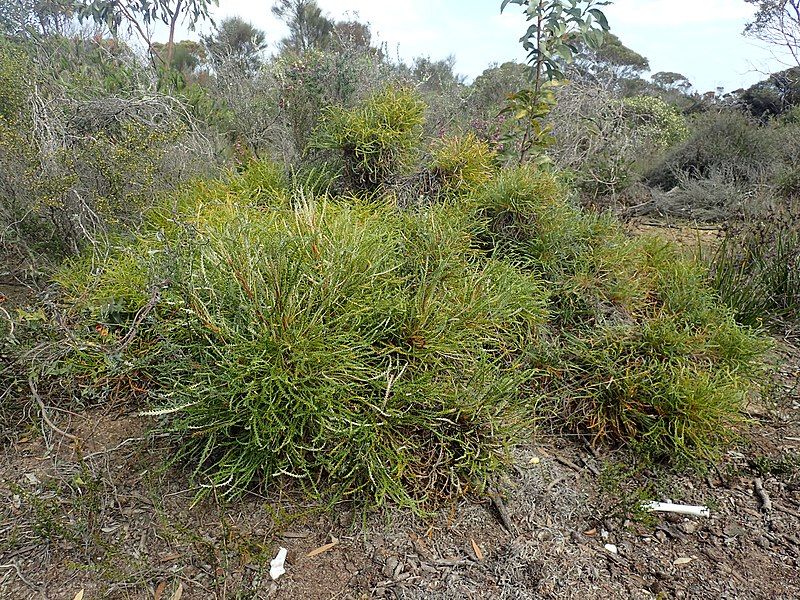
(94, 514)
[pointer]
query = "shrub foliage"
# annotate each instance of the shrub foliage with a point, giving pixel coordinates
(376, 141)
(364, 348)
(397, 354)
(386, 314)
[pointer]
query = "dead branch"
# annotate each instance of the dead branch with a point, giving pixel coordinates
(45, 417)
(766, 503)
(505, 518)
(141, 315)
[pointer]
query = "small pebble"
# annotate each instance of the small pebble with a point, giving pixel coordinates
(734, 530)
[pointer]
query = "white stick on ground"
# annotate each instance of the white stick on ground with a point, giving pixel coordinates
(681, 509)
(276, 565)
(766, 503)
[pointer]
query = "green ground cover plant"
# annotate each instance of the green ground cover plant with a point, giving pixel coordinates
(336, 343)
(390, 354)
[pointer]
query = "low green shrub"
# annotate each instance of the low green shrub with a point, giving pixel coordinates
(308, 83)
(663, 124)
(376, 141)
(86, 144)
(586, 258)
(352, 348)
(395, 355)
(728, 143)
(791, 116)
(644, 353)
(636, 384)
(462, 164)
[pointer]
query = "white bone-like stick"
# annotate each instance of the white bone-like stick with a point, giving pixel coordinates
(276, 565)
(681, 509)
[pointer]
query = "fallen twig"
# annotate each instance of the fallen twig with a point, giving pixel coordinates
(15, 566)
(568, 463)
(115, 448)
(45, 417)
(505, 519)
(10, 321)
(595, 471)
(788, 511)
(141, 315)
(766, 503)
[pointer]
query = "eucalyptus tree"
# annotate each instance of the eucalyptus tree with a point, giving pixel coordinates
(138, 16)
(308, 26)
(34, 18)
(238, 41)
(556, 30)
(777, 22)
(669, 80)
(612, 61)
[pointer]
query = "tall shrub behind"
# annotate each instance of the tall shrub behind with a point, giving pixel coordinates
(376, 141)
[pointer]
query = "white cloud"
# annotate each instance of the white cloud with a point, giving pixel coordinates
(675, 13)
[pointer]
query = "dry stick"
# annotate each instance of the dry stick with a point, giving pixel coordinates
(115, 448)
(766, 503)
(595, 471)
(15, 566)
(140, 316)
(10, 320)
(788, 511)
(505, 519)
(554, 483)
(45, 417)
(568, 463)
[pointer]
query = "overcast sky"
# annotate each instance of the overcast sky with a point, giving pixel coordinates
(698, 38)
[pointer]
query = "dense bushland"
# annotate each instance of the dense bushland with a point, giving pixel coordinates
(369, 350)
(373, 279)
(81, 156)
(743, 175)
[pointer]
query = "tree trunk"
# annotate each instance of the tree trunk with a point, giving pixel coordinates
(172, 24)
